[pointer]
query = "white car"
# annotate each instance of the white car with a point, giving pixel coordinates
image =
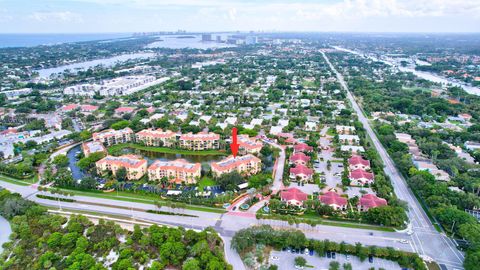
(274, 258)
(403, 241)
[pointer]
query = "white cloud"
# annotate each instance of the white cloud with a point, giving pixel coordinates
(58, 16)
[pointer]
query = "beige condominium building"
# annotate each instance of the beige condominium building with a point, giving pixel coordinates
(93, 147)
(249, 145)
(199, 141)
(178, 169)
(110, 136)
(135, 166)
(248, 164)
(151, 137)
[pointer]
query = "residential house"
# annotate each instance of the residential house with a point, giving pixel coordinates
(334, 200)
(299, 159)
(357, 162)
(368, 201)
(293, 196)
(360, 177)
(301, 173)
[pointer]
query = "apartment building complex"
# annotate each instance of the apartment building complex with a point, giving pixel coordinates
(248, 164)
(135, 166)
(178, 169)
(199, 141)
(249, 145)
(110, 136)
(159, 138)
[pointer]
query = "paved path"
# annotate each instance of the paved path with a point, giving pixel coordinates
(426, 239)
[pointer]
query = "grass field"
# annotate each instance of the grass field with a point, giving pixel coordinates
(118, 147)
(139, 198)
(206, 182)
(22, 182)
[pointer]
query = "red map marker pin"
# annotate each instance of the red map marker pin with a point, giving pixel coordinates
(234, 145)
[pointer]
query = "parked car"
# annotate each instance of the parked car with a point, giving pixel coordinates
(334, 255)
(329, 254)
(310, 253)
(234, 208)
(370, 259)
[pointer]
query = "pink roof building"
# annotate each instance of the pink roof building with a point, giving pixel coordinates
(122, 110)
(293, 196)
(88, 108)
(370, 201)
(69, 107)
(301, 172)
(360, 177)
(357, 162)
(302, 147)
(299, 159)
(334, 200)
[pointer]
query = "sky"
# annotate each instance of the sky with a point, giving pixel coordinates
(98, 16)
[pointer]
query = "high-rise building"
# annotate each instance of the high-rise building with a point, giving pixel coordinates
(206, 37)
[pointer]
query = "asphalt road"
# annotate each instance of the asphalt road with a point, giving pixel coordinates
(426, 240)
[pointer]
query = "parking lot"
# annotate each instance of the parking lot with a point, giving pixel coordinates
(285, 260)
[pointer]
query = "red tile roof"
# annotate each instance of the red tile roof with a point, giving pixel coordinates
(355, 160)
(299, 157)
(69, 107)
(359, 174)
(332, 198)
(371, 201)
(300, 169)
(301, 147)
(293, 194)
(89, 108)
(124, 109)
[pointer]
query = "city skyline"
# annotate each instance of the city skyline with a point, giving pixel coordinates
(95, 16)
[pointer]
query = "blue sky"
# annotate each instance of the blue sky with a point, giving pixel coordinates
(90, 16)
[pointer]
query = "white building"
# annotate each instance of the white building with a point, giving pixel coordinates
(115, 87)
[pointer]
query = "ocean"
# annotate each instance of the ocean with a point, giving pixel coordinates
(30, 40)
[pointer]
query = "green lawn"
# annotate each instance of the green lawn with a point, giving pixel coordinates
(139, 198)
(22, 182)
(118, 147)
(206, 182)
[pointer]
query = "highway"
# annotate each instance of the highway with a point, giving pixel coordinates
(426, 239)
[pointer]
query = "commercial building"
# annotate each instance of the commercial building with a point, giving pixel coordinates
(151, 137)
(248, 164)
(199, 141)
(178, 169)
(93, 147)
(111, 136)
(115, 87)
(135, 166)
